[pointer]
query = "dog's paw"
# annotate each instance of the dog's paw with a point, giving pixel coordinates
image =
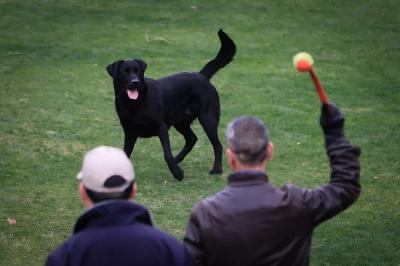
(178, 174)
(217, 171)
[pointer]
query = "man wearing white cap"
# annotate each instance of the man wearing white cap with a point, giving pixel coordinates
(114, 230)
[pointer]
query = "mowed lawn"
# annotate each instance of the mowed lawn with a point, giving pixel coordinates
(56, 102)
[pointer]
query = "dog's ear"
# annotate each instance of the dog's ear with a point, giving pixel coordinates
(112, 69)
(142, 64)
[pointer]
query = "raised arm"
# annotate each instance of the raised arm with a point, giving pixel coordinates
(344, 186)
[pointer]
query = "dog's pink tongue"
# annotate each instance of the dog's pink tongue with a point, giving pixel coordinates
(133, 95)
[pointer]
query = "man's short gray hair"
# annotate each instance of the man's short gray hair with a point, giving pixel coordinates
(247, 137)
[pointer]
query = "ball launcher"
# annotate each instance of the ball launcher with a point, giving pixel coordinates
(303, 62)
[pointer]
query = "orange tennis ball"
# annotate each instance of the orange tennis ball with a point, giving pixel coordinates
(303, 61)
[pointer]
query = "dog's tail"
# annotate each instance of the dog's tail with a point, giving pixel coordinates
(224, 56)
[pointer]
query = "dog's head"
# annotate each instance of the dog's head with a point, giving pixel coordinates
(128, 76)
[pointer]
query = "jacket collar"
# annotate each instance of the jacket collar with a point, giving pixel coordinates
(112, 212)
(247, 177)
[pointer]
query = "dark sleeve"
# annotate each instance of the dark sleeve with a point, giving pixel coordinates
(57, 257)
(344, 186)
(50, 261)
(192, 239)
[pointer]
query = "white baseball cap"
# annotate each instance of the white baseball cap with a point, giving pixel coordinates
(106, 170)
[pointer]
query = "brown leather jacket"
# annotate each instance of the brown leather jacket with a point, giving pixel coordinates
(252, 222)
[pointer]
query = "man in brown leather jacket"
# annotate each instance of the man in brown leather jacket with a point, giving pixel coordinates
(252, 222)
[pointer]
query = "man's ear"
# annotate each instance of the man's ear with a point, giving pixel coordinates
(84, 196)
(231, 158)
(142, 64)
(134, 191)
(270, 151)
(112, 69)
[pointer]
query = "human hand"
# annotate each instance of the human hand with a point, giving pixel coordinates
(331, 119)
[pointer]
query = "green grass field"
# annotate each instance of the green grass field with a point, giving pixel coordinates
(56, 102)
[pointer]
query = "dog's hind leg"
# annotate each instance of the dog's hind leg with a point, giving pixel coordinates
(210, 126)
(190, 141)
(172, 165)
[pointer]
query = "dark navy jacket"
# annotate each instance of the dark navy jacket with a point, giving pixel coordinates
(118, 233)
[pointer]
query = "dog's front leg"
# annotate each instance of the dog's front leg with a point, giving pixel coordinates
(172, 165)
(129, 143)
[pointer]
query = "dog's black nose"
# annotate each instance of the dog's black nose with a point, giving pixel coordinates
(135, 82)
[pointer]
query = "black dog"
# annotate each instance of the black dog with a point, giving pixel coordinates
(148, 107)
